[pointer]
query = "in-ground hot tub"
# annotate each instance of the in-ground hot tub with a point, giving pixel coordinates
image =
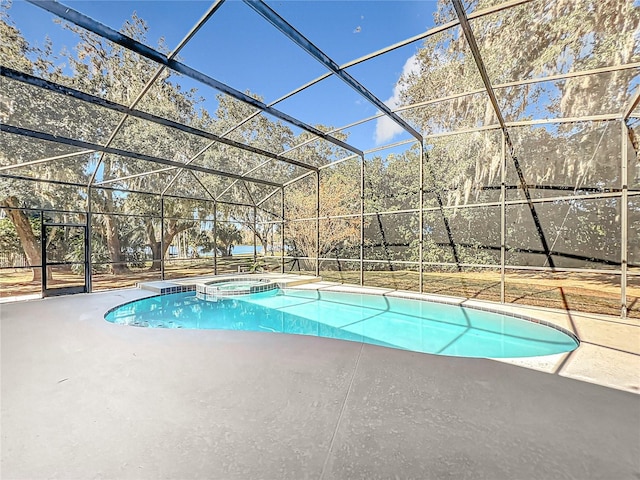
(228, 287)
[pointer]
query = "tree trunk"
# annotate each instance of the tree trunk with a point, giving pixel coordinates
(156, 253)
(155, 246)
(113, 244)
(28, 239)
(172, 229)
(111, 229)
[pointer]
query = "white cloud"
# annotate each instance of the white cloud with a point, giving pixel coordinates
(387, 129)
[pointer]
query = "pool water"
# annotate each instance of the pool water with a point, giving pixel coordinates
(415, 325)
(236, 285)
(230, 287)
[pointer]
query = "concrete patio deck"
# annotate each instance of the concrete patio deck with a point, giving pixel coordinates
(84, 398)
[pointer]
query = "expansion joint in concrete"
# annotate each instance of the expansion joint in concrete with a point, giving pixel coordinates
(342, 409)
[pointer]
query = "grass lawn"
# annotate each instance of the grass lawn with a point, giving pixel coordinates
(595, 293)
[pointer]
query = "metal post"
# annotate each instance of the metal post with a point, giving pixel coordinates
(624, 220)
(503, 213)
(255, 250)
(43, 253)
(282, 233)
(162, 237)
(362, 220)
(317, 224)
(87, 261)
(421, 220)
(215, 238)
(89, 253)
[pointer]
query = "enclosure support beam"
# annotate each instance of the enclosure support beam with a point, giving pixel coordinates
(421, 219)
(89, 240)
(217, 4)
(473, 46)
(43, 253)
(528, 81)
(215, 237)
(282, 231)
(4, 168)
(295, 36)
(211, 196)
(255, 245)
(503, 211)
(362, 220)
(317, 224)
(162, 259)
(73, 16)
(390, 48)
(131, 112)
(631, 106)
(624, 218)
(124, 153)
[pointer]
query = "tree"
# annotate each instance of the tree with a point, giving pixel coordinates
(227, 236)
(338, 235)
(561, 36)
(18, 109)
(112, 71)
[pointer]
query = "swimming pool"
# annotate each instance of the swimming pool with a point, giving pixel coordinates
(415, 325)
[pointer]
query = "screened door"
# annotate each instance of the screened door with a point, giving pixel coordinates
(65, 261)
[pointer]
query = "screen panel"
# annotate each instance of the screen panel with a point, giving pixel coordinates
(579, 233)
(565, 159)
(465, 282)
(340, 271)
(389, 275)
(560, 38)
(463, 169)
(586, 292)
(392, 237)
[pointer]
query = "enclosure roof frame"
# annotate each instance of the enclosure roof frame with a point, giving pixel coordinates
(129, 111)
(403, 43)
(79, 19)
(303, 42)
(123, 153)
(199, 24)
(270, 15)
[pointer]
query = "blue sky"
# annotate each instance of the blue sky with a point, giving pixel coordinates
(241, 49)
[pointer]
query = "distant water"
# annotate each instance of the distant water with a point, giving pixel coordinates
(240, 249)
(237, 250)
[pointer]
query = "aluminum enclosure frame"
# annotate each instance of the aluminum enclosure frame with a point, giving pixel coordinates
(168, 61)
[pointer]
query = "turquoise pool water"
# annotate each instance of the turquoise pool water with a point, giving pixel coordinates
(236, 285)
(388, 321)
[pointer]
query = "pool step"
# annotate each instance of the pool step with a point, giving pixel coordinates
(164, 287)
